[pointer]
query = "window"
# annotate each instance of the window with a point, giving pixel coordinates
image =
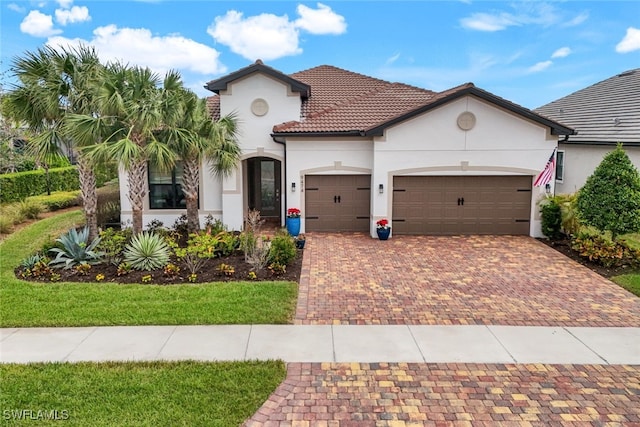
(560, 166)
(165, 188)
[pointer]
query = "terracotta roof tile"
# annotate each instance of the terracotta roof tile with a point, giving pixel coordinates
(213, 105)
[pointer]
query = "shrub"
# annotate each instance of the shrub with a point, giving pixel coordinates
(200, 247)
(283, 249)
(30, 209)
(58, 200)
(112, 244)
(6, 224)
(215, 226)
(610, 199)
(20, 185)
(551, 219)
(75, 249)
(600, 248)
(147, 251)
(227, 243)
(108, 209)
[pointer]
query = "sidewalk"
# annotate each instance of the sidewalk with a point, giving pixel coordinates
(325, 343)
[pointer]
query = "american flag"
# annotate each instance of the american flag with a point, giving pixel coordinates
(547, 174)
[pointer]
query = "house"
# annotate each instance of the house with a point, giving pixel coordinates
(348, 150)
(603, 115)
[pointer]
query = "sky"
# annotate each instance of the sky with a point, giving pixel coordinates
(529, 52)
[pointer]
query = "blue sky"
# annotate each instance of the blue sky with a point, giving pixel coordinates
(528, 52)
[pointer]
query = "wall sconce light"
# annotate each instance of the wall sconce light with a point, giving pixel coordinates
(547, 188)
(293, 187)
(380, 188)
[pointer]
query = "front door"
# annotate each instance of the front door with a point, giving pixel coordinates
(264, 186)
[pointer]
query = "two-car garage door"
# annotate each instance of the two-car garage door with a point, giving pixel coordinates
(461, 204)
(429, 205)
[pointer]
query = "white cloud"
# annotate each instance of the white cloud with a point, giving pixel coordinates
(540, 66)
(487, 22)
(392, 59)
(137, 46)
(38, 24)
(268, 36)
(70, 16)
(65, 4)
(16, 8)
(263, 36)
(561, 53)
(630, 42)
(576, 20)
(320, 21)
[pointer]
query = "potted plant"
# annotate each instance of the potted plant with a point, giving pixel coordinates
(293, 221)
(300, 241)
(383, 229)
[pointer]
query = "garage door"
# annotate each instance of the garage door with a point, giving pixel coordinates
(337, 202)
(461, 204)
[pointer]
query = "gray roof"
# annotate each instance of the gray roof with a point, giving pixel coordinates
(607, 112)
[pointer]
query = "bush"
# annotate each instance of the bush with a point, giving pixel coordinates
(112, 243)
(147, 251)
(200, 247)
(6, 224)
(58, 200)
(601, 249)
(30, 209)
(283, 249)
(75, 249)
(551, 220)
(20, 185)
(610, 199)
(108, 209)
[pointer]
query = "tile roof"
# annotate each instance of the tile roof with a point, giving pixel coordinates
(344, 102)
(607, 112)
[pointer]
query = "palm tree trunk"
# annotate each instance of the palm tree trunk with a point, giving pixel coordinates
(190, 185)
(89, 196)
(137, 192)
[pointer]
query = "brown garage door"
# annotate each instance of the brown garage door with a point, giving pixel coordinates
(337, 202)
(461, 204)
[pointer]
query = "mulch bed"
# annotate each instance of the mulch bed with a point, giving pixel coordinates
(208, 273)
(564, 247)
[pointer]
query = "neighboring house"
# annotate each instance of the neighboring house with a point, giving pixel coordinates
(349, 149)
(603, 114)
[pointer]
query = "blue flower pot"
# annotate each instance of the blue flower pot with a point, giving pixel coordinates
(383, 233)
(293, 226)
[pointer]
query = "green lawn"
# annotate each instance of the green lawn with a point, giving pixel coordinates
(25, 304)
(630, 282)
(137, 394)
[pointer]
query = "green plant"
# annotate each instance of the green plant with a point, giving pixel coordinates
(147, 251)
(181, 225)
(20, 185)
(252, 275)
(55, 277)
(214, 226)
(147, 278)
(30, 261)
(227, 243)
(283, 249)
(82, 269)
(193, 278)
(551, 219)
(124, 268)
(112, 244)
(598, 247)
(6, 225)
(610, 199)
(99, 277)
(57, 200)
(276, 268)
(200, 247)
(31, 209)
(226, 269)
(76, 249)
(171, 270)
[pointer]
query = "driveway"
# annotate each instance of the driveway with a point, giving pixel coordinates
(453, 280)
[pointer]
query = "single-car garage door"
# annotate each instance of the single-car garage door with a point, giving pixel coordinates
(461, 204)
(337, 202)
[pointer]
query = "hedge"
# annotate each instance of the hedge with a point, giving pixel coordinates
(20, 185)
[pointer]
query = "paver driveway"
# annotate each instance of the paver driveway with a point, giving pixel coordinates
(488, 280)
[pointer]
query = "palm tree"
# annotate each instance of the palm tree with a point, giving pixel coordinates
(52, 85)
(197, 137)
(133, 107)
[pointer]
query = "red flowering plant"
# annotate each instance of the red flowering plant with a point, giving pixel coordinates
(383, 224)
(293, 213)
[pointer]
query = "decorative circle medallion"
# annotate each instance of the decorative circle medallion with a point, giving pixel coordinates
(259, 107)
(466, 120)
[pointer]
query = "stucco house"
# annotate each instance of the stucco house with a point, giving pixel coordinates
(348, 150)
(602, 115)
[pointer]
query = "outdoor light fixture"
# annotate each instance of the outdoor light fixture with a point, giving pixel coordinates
(547, 188)
(380, 188)
(293, 187)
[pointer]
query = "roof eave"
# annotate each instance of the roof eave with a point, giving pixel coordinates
(221, 84)
(318, 134)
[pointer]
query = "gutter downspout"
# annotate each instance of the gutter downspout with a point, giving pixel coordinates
(285, 192)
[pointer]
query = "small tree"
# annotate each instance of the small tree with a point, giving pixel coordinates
(610, 199)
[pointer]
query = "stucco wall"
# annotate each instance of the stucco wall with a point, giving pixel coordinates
(581, 160)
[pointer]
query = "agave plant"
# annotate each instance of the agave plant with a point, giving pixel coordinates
(147, 251)
(76, 249)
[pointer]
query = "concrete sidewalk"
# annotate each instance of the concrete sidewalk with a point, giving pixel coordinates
(325, 343)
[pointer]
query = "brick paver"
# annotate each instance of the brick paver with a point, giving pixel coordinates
(401, 394)
(486, 280)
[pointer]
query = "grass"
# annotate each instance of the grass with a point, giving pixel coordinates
(137, 394)
(630, 282)
(27, 304)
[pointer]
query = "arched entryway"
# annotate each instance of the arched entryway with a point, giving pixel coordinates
(264, 187)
